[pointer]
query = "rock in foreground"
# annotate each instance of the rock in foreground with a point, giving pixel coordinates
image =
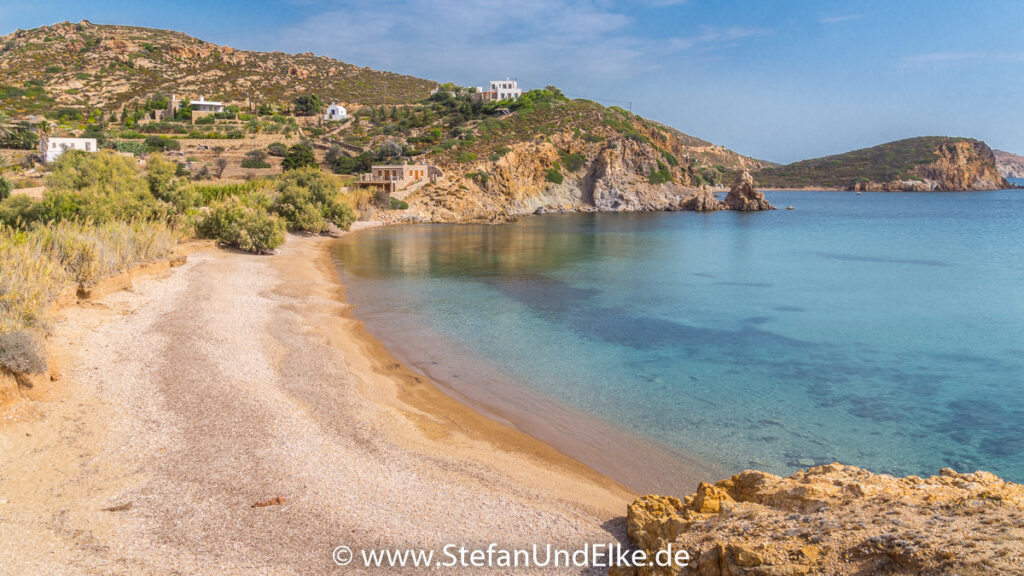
(837, 519)
(744, 197)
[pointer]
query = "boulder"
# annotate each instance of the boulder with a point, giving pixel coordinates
(744, 197)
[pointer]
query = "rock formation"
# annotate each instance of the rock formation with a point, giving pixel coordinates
(836, 520)
(1009, 165)
(744, 197)
(703, 201)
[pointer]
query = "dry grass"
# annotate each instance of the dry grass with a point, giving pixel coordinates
(35, 266)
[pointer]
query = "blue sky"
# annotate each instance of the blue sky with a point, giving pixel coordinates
(776, 80)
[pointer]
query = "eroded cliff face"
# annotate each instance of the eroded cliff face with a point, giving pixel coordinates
(619, 174)
(961, 165)
(837, 520)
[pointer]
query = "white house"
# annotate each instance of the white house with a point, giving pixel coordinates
(500, 90)
(51, 148)
(204, 105)
(335, 112)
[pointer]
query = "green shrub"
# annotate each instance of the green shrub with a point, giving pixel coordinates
(299, 156)
(352, 165)
(660, 176)
(397, 204)
(245, 225)
(573, 162)
(5, 188)
(255, 159)
(554, 174)
(309, 200)
(162, 143)
(465, 156)
(277, 149)
(130, 147)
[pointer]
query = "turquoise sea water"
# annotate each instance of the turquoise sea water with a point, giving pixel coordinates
(882, 330)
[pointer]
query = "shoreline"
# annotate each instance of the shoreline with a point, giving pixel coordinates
(237, 379)
(639, 463)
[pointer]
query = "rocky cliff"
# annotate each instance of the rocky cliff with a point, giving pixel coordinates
(1009, 165)
(837, 520)
(915, 164)
(567, 173)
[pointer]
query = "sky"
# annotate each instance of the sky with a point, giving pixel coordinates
(781, 81)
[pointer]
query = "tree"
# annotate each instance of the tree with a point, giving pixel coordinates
(299, 156)
(5, 188)
(6, 126)
(332, 155)
(353, 164)
(308, 105)
(389, 150)
(160, 175)
(255, 159)
(220, 165)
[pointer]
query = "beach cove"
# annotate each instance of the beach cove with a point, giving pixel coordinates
(239, 380)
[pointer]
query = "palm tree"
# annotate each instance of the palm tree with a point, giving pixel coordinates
(6, 126)
(44, 128)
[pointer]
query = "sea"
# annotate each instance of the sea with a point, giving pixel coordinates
(883, 330)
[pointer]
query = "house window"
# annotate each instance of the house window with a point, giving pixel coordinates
(88, 146)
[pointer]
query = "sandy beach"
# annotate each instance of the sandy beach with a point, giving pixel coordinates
(235, 380)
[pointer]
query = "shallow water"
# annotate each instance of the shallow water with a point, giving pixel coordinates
(883, 330)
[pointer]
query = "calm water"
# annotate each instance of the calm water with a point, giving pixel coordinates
(883, 330)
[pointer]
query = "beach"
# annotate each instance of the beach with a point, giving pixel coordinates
(237, 380)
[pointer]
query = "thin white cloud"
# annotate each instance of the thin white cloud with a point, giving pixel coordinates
(947, 59)
(714, 36)
(568, 42)
(838, 19)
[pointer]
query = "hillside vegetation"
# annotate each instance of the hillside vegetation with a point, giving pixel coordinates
(895, 165)
(104, 67)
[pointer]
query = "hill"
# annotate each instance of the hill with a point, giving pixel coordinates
(917, 164)
(105, 67)
(499, 159)
(1010, 165)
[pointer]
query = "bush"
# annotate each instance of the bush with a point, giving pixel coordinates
(22, 352)
(161, 143)
(352, 165)
(255, 159)
(553, 174)
(310, 200)
(103, 186)
(465, 156)
(130, 147)
(397, 204)
(660, 176)
(573, 162)
(247, 226)
(5, 188)
(299, 156)
(277, 149)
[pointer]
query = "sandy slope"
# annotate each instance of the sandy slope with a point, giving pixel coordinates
(237, 379)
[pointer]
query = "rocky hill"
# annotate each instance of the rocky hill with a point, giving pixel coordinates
(914, 164)
(544, 152)
(106, 67)
(560, 155)
(837, 520)
(1010, 165)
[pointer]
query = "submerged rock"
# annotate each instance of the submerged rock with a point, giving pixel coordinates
(836, 520)
(744, 197)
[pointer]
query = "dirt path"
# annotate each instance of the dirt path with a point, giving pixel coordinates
(237, 379)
